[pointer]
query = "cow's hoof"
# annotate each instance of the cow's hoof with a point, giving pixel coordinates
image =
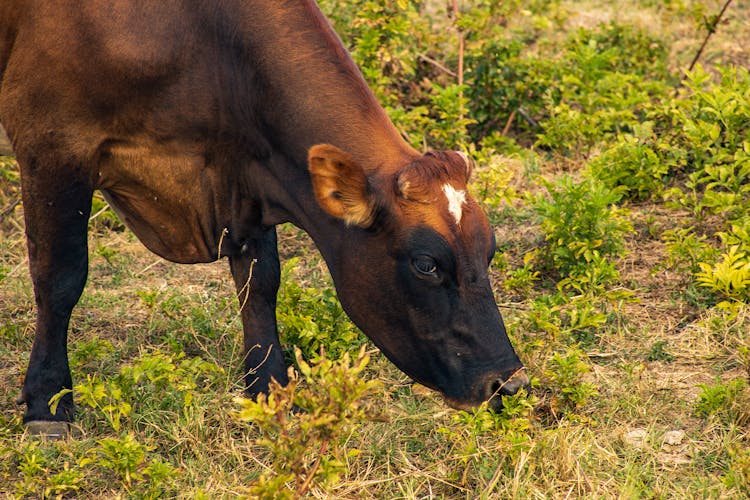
(50, 429)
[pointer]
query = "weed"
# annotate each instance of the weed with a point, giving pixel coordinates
(124, 456)
(67, 481)
(520, 281)
(312, 318)
(308, 446)
(580, 223)
(479, 433)
(632, 164)
(566, 371)
(729, 401)
(737, 475)
(658, 352)
(730, 277)
(686, 249)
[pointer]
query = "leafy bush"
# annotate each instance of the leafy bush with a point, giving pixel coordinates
(632, 164)
(709, 128)
(312, 319)
(730, 277)
(308, 446)
(566, 371)
(158, 382)
(504, 82)
(599, 94)
(479, 434)
(729, 401)
(686, 249)
(580, 223)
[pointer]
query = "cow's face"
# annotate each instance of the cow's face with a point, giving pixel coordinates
(413, 272)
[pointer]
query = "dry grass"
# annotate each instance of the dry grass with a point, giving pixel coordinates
(640, 437)
(616, 448)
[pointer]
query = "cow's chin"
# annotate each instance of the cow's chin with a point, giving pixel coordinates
(460, 405)
(493, 404)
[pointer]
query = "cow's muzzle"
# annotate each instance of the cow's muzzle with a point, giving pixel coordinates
(492, 389)
(507, 386)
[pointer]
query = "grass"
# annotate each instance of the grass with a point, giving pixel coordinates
(641, 374)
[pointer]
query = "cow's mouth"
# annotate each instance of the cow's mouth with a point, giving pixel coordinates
(491, 392)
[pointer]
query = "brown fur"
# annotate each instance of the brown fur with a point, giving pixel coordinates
(419, 189)
(340, 185)
(206, 124)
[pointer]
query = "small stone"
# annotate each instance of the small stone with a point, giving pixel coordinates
(636, 437)
(674, 438)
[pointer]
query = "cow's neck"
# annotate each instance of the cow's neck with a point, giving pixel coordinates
(316, 94)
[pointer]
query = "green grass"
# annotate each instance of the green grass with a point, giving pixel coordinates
(616, 206)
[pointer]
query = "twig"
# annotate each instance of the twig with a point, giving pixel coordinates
(460, 56)
(601, 355)
(157, 261)
(711, 25)
(437, 64)
(513, 305)
(460, 45)
(509, 122)
(246, 287)
(10, 208)
(101, 211)
(528, 118)
(315, 466)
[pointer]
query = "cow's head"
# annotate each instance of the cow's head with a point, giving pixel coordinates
(412, 272)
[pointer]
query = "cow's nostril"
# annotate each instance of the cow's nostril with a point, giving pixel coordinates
(496, 387)
(511, 385)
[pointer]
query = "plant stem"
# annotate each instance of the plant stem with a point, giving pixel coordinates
(711, 30)
(314, 468)
(460, 55)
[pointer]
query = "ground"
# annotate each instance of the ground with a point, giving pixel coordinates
(662, 412)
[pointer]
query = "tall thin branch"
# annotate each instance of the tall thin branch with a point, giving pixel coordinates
(711, 30)
(456, 15)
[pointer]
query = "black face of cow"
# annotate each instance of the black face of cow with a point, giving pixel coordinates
(414, 276)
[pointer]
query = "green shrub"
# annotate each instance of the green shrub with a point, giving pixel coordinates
(709, 127)
(599, 95)
(383, 38)
(686, 249)
(312, 318)
(633, 164)
(565, 373)
(730, 401)
(308, 447)
(730, 277)
(622, 48)
(157, 383)
(480, 436)
(581, 223)
(738, 471)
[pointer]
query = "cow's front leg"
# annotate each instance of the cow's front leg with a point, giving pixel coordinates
(256, 275)
(56, 210)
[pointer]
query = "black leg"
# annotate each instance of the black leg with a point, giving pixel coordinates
(263, 356)
(56, 211)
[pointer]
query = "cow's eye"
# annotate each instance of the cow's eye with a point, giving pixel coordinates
(426, 265)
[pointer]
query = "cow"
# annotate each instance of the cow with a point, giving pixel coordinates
(207, 124)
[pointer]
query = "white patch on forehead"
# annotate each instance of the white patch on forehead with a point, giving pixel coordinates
(456, 199)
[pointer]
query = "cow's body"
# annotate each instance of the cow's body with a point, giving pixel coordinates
(206, 124)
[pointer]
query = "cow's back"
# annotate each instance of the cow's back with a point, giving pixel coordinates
(9, 11)
(105, 69)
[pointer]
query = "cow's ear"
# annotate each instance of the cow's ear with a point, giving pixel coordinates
(468, 162)
(341, 186)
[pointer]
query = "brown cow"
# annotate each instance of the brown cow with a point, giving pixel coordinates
(206, 124)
